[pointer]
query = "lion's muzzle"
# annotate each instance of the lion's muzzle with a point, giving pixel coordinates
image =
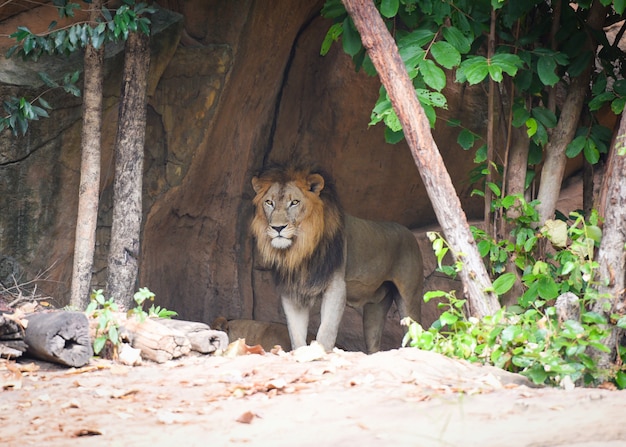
(281, 236)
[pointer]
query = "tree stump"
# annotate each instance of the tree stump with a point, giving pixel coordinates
(59, 337)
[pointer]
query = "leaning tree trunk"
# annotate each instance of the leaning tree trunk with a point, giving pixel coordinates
(612, 252)
(87, 218)
(129, 151)
(385, 57)
(554, 165)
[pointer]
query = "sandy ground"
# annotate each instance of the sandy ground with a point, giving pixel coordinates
(402, 397)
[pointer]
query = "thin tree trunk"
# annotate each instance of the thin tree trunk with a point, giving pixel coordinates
(127, 189)
(612, 252)
(491, 137)
(554, 165)
(87, 217)
(385, 57)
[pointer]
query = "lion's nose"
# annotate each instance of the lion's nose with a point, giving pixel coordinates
(279, 228)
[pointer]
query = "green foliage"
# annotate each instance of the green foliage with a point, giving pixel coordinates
(108, 327)
(105, 310)
(438, 37)
(529, 337)
(111, 26)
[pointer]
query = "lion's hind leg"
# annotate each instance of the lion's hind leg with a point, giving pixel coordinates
(374, 317)
(409, 298)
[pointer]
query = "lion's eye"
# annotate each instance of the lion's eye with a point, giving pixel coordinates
(294, 203)
(269, 203)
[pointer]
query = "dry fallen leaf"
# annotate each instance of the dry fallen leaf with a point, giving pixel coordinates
(12, 377)
(87, 432)
(239, 347)
(246, 418)
(607, 386)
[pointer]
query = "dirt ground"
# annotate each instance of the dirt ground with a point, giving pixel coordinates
(403, 397)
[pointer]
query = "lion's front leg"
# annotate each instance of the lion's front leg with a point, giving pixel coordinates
(333, 305)
(297, 321)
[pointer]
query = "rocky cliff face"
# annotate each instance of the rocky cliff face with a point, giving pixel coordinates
(233, 85)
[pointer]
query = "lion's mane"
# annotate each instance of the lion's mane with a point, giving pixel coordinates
(318, 251)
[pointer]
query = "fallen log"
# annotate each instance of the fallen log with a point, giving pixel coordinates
(11, 336)
(157, 342)
(203, 339)
(59, 337)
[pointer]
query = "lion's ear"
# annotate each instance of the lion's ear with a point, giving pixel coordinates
(256, 184)
(316, 183)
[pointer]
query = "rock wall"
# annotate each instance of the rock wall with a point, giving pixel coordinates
(233, 85)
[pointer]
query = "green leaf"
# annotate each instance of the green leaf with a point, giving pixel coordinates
(532, 126)
(508, 63)
(417, 38)
(593, 317)
(503, 283)
(537, 374)
(620, 379)
(333, 34)
(457, 39)
(47, 79)
(448, 318)
(495, 72)
(350, 39)
(575, 146)
(393, 137)
(546, 66)
(434, 76)
(594, 232)
(433, 294)
(466, 139)
(391, 121)
(548, 289)
(389, 8)
(483, 248)
(481, 154)
(97, 40)
(98, 344)
(113, 334)
(428, 98)
(520, 115)
(474, 69)
(580, 63)
(333, 9)
(617, 106)
(599, 100)
(445, 54)
(29, 44)
(619, 6)
(494, 189)
(592, 154)
(544, 116)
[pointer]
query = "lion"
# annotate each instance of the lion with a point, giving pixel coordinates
(318, 252)
(255, 332)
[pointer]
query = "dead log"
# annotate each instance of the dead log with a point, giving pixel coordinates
(59, 337)
(203, 339)
(157, 342)
(11, 336)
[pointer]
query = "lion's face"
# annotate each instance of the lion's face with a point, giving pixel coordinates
(283, 206)
(289, 217)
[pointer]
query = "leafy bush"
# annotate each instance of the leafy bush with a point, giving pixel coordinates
(529, 338)
(108, 325)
